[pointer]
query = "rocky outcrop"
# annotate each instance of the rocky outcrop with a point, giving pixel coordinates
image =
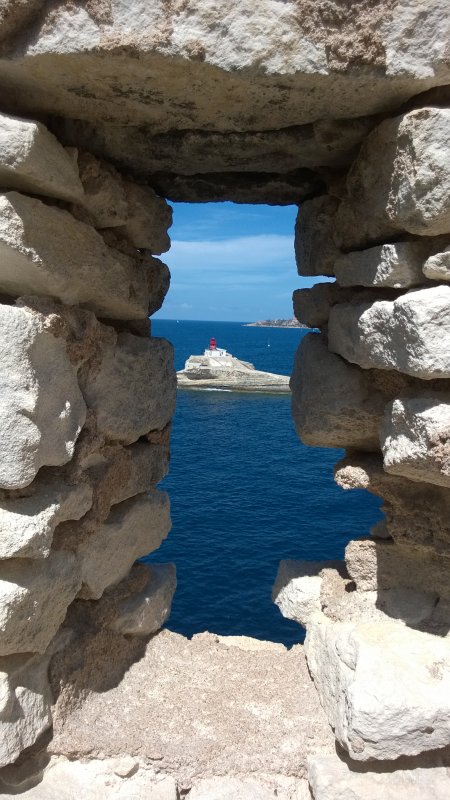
(230, 373)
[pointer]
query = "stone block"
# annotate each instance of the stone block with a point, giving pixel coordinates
(385, 688)
(376, 564)
(32, 160)
(25, 700)
(27, 521)
(45, 251)
(146, 611)
(397, 265)
(250, 787)
(133, 390)
(437, 266)
(133, 529)
(410, 334)
(120, 778)
(312, 306)
(315, 250)
(415, 438)
(400, 181)
(298, 588)
(40, 417)
(334, 404)
(148, 218)
(34, 597)
(333, 778)
(104, 203)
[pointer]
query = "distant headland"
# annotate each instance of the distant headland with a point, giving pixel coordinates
(275, 323)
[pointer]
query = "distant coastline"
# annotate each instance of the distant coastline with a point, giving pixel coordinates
(275, 323)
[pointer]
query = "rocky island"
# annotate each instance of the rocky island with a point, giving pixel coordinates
(275, 323)
(217, 369)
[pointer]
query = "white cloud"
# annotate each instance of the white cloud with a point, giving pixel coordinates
(266, 254)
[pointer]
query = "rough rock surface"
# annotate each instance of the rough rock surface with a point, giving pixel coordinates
(98, 779)
(40, 419)
(382, 686)
(397, 265)
(399, 181)
(410, 334)
(148, 217)
(27, 522)
(114, 390)
(332, 778)
(104, 203)
(228, 372)
(298, 588)
(334, 404)
(25, 700)
(145, 611)
(257, 787)
(34, 596)
(32, 160)
(415, 438)
(315, 250)
(45, 251)
(105, 557)
(437, 267)
(199, 709)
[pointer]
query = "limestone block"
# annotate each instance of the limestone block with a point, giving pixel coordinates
(27, 522)
(397, 265)
(25, 700)
(45, 251)
(133, 529)
(315, 250)
(121, 778)
(148, 217)
(376, 564)
(32, 160)
(437, 267)
(146, 611)
(333, 403)
(104, 203)
(296, 590)
(34, 596)
(399, 181)
(312, 306)
(410, 334)
(384, 687)
(40, 417)
(133, 390)
(250, 787)
(332, 778)
(415, 438)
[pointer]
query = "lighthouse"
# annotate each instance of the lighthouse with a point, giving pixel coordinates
(213, 351)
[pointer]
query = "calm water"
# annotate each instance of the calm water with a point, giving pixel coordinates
(245, 492)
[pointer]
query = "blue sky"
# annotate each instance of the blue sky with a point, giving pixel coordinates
(231, 262)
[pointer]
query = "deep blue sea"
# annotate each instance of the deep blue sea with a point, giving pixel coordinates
(245, 492)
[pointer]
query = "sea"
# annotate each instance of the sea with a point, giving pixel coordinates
(245, 492)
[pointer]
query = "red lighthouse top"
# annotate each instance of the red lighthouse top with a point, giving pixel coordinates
(212, 344)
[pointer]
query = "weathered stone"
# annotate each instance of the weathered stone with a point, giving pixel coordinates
(148, 217)
(382, 564)
(332, 778)
(132, 392)
(415, 438)
(27, 521)
(32, 160)
(120, 778)
(315, 250)
(25, 700)
(297, 588)
(270, 188)
(398, 181)
(40, 418)
(146, 611)
(45, 251)
(333, 404)
(312, 306)
(34, 596)
(410, 334)
(250, 787)
(437, 267)
(417, 513)
(230, 711)
(396, 265)
(384, 687)
(104, 203)
(133, 529)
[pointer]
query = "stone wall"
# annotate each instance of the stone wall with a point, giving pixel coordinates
(87, 397)
(374, 379)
